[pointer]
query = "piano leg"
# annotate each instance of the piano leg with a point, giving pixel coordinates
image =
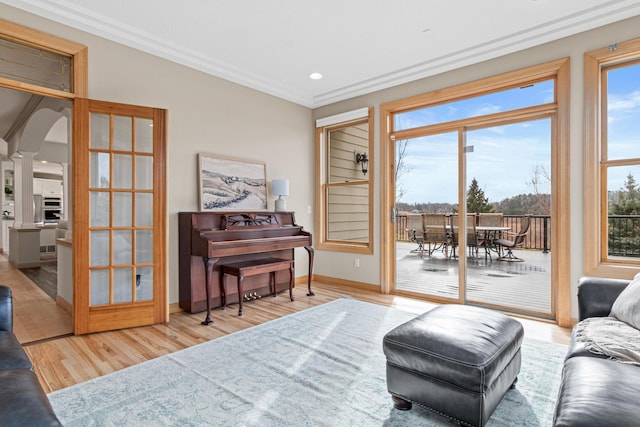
(240, 291)
(310, 251)
(292, 274)
(208, 268)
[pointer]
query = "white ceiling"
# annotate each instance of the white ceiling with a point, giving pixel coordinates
(359, 46)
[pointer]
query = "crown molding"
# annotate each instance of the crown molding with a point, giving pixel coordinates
(84, 19)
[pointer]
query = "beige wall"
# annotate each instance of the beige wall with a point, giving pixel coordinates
(206, 114)
(341, 265)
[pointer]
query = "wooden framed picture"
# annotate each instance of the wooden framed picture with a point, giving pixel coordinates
(231, 184)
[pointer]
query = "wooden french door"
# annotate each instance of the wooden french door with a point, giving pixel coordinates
(119, 216)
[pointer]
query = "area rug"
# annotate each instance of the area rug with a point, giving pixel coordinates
(323, 366)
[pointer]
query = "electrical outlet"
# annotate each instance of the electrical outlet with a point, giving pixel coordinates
(309, 209)
(356, 262)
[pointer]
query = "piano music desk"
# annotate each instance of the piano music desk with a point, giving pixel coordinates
(252, 268)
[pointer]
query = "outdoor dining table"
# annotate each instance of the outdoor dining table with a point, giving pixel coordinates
(487, 233)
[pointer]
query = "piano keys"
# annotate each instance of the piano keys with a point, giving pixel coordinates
(208, 240)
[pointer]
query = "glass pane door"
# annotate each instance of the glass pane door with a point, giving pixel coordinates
(426, 198)
(119, 216)
(121, 209)
(509, 226)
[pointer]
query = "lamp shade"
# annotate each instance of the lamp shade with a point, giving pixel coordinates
(280, 187)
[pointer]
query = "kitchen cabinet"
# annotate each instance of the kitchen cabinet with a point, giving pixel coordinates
(47, 241)
(47, 187)
(6, 223)
(37, 186)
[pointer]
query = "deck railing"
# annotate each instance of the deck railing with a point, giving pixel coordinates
(624, 233)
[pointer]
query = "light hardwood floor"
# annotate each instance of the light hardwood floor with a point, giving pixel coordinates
(66, 361)
(35, 315)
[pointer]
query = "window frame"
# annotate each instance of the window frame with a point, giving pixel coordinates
(560, 233)
(77, 52)
(323, 127)
(597, 262)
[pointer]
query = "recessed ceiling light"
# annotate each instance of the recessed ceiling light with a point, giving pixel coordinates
(315, 76)
(44, 162)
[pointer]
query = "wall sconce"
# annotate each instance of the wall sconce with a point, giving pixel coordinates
(280, 187)
(363, 160)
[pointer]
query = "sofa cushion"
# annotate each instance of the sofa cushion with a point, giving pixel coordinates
(24, 402)
(627, 306)
(578, 349)
(598, 392)
(12, 356)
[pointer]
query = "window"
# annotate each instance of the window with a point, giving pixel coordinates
(35, 65)
(612, 169)
(345, 185)
(41, 63)
(513, 98)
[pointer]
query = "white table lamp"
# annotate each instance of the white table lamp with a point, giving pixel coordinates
(280, 187)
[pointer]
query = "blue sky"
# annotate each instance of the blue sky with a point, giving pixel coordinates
(623, 124)
(504, 159)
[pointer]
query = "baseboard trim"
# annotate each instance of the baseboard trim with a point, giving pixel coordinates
(64, 304)
(302, 280)
(349, 283)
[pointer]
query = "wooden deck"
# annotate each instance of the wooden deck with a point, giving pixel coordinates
(522, 287)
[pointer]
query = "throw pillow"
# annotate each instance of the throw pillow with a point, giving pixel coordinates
(627, 306)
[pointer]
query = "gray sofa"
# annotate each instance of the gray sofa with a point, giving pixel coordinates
(24, 402)
(596, 390)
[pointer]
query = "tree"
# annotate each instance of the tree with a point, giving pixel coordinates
(476, 200)
(624, 233)
(401, 169)
(628, 199)
(540, 177)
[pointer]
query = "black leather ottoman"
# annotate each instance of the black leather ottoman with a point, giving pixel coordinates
(456, 360)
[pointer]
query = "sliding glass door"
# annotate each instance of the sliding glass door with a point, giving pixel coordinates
(473, 216)
(508, 184)
(426, 194)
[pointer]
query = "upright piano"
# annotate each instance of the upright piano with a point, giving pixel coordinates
(208, 240)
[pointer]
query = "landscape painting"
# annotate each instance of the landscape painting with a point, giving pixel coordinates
(229, 184)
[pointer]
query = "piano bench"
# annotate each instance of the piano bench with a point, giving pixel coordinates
(252, 268)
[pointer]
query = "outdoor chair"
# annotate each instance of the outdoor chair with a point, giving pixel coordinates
(472, 235)
(487, 239)
(435, 232)
(490, 218)
(515, 240)
(415, 231)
